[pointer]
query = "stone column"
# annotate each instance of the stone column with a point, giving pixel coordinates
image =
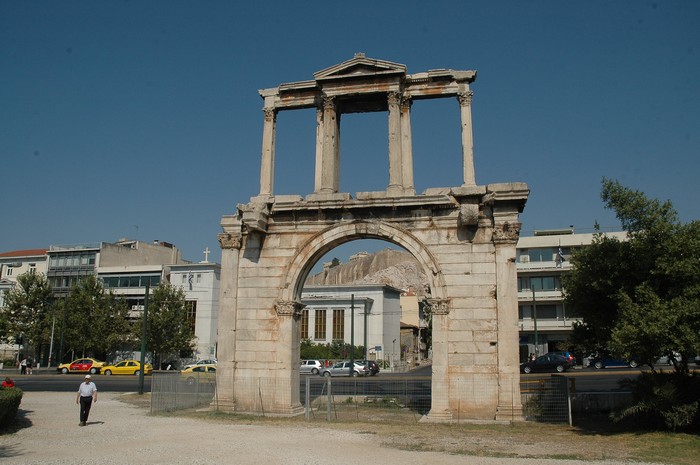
(288, 314)
(440, 403)
(318, 178)
(331, 150)
(267, 170)
(465, 107)
(407, 147)
(505, 238)
(395, 157)
(225, 398)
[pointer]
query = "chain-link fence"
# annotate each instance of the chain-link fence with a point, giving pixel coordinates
(379, 398)
(546, 400)
(172, 390)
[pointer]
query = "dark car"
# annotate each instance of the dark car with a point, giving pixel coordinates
(548, 363)
(610, 362)
(372, 365)
(567, 355)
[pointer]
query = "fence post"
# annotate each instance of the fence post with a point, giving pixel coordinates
(328, 414)
(307, 397)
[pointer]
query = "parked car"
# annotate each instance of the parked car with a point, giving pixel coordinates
(546, 363)
(201, 362)
(665, 360)
(310, 366)
(343, 369)
(199, 373)
(126, 367)
(567, 355)
(611, 362)
(372, 365)
(81, 365)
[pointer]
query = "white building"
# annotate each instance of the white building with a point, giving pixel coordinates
(329, 311)
(544, 320)
(16, 263)
(201, 284)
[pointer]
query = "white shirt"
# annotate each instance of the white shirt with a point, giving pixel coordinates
(87, 389)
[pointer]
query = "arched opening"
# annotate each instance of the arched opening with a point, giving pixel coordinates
(365, 300)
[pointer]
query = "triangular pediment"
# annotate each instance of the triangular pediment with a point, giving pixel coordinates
(360, 65)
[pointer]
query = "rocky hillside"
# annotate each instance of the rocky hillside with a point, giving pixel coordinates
(393, 267)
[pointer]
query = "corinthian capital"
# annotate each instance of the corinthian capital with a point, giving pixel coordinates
(289, 308)
(229, 241)
(465, 98)
(270, 114)
(438, 306)
(328, 102)
(394, 98)
(504, 233)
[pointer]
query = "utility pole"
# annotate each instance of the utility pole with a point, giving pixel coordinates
(352, 333)
(534, 318)
(143, 337)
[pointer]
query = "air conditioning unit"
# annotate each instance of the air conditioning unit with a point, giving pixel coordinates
(524, 259)
(137, 307)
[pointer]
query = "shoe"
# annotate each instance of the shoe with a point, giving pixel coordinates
(82, 423)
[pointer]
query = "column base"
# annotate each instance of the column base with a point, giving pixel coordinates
(442, 416)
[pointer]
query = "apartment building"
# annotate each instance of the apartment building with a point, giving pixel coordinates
(541, 260)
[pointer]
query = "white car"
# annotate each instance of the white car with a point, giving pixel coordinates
(200, 362)
(310, 366)
(343, 369)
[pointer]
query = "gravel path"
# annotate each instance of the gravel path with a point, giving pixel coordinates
(119, 433)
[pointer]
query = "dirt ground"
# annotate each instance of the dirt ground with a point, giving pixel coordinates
(122, 431)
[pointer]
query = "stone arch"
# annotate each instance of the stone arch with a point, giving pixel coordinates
(333, 236)
(464, 237)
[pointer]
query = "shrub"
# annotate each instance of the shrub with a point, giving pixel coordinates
(663, 401)
(10, 398)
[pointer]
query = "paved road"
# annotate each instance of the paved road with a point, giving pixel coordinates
(45, 380)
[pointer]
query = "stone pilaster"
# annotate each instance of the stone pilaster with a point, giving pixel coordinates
(505, 238)
(226, 338)
(439, 310)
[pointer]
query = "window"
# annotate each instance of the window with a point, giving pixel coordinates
(184, 279)
(544, 312)
(320, 325)
(191, 313)
(304, 324)
(32, 268)
(540, 283)
(541, 255)
(199, 278)
(338, 324)
(9, 271)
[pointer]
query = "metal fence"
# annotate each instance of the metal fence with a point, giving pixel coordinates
(360, 399)
(172, 390)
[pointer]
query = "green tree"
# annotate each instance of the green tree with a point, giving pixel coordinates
(96, 322)
(27, 309)
(639, 297)
(168, 330)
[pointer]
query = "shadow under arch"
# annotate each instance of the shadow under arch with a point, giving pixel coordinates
(333, 236)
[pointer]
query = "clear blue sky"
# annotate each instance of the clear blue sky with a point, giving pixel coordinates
(142, 119)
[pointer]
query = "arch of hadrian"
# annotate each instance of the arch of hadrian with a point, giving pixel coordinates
(463, 236)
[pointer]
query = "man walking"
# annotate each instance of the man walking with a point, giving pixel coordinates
(87, 394)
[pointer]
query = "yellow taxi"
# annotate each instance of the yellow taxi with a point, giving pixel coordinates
(81, 365)
(199, 374)
(126, 367)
